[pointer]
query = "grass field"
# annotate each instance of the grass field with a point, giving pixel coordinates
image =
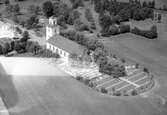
(49, 91)
(149, 53)
(159, 3)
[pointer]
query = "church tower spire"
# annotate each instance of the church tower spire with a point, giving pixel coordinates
(52, 28)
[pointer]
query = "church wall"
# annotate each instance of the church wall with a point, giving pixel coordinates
(55, 49)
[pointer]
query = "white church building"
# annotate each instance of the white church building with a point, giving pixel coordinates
(57, 43)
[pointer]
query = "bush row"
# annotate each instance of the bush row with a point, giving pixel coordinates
(151, 34)
(115, 30)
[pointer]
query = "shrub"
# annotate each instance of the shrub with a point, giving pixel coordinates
(117, 93)
(114, 70)
(125, 93)
(151, 34)
(91, 84)
(18, 30)
(86, 81)
(123, 60)
(134, 92)
(103, 90)
(79, 78)
(88, 15)
(145, 70)
(113, 89)
(46, 53)
(93, 26)
(124, 28)
(112, 30)
(83, 27)
(19, 46)
(137, 66)
(1, 48)
(80, 26)
(32, 47)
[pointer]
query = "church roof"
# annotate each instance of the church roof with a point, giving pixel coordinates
(66, 44)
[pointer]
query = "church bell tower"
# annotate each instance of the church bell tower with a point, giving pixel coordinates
(52, 28)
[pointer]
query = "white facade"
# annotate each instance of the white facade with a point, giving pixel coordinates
(7, 30)
(55, 49)
(51, 30)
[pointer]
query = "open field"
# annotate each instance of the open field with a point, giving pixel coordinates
(37, 88)
(149, 53)
(159, 3)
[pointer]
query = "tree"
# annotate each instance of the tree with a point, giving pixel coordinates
(125, 14)
(20, 46)
(12, 10)
(89, 15)
(15, 18)
(62, 11)
(146, 13)
(114, 70)
(79, 25)
(56, 7)
(48, 8)
(32, 22)
(8, 10)
(144, 4)
(18, 30)
(32, 47)
(113, 30)
(16, 9)
(159, 18)
(136, 14)
(116, 19)
(77, 3)
(93, 44)
(105, 21)
(73, 16)
(25, 37)
(7, 2)
(34, 10)
(99, 53)
(6, 48)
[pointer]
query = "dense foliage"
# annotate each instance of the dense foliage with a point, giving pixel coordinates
(115, 29)
(100, 54)
(113, 12)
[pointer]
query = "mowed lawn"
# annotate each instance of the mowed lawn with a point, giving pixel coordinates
(59, 94)
(159, 3)
(149, 53)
